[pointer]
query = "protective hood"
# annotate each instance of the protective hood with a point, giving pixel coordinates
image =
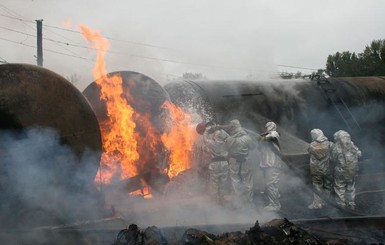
(344, 140)
(340, 133)
(270, 126)
(235, 129)
(318, 135)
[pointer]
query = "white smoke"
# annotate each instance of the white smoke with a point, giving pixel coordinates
(42, 176)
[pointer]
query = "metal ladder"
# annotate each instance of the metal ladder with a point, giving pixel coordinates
(338, 103)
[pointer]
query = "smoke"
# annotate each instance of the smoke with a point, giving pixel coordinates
(185, 203)
(43, 182)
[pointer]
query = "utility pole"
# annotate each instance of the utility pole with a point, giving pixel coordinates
(39, 27)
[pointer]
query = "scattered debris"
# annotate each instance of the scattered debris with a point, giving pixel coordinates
(275, 232)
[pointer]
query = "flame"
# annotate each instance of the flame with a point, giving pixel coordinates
(179, 140)
(118, 131)
(130, 140)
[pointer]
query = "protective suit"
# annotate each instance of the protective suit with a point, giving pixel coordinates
(271, 164)
(200, 157)
(218, 168)
(345, 154)
(239, 144)
(319, 151)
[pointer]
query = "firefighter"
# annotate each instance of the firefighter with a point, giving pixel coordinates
(271, 164)
(239, 144)
(345, 154)
(218, 168)
(200, 157)
(320, 172)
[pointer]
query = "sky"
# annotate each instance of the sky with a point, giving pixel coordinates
(221, 39)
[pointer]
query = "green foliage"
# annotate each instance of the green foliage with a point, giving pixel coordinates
(371, 62)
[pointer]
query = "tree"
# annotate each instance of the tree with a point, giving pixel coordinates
(371, 62)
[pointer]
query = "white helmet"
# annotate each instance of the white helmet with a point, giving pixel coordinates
(270, 126)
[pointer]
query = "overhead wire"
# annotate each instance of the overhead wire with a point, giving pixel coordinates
(122, 54)
(73, 44)
(48, 50)
(78, 32)
(16, 16)
(111, 38)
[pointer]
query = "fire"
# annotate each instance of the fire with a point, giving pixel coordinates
(179, 140)
(119, 144)
(132, 145)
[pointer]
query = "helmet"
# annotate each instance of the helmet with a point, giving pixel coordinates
(270, 126)
(340, 135)
(316, 133)
(235, 123)
(234, 127)
(201, 127)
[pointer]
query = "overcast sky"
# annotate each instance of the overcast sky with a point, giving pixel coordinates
(221, 39)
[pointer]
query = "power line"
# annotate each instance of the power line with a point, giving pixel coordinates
(16, 18)
(5, 39)
(48, 39)
(7, 10)
(74, 56)
(112, 52)
(111, 38)
(20, 32)
(78, 32)
(48, 50)
(137, 56)
(119, 53)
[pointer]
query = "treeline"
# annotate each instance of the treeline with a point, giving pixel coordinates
(371, 62)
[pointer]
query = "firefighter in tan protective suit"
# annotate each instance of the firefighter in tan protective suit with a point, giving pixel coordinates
(216, 145)
(320, 172)
(239, 144)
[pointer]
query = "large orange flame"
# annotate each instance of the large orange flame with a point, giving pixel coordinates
(119, 144)
(128, 146)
